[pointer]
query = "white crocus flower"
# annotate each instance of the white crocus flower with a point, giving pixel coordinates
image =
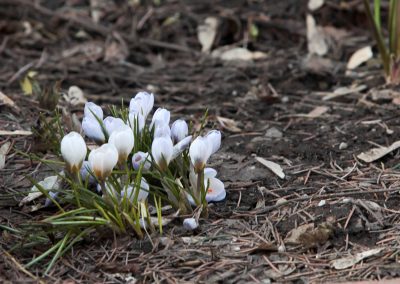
(162, 150)
(136, 120)
(85, 173)
(179, 130)
(123, 140)
(112, 124)
(140, 158)
(190, 224)
(181, 146)
(92, 111)
(142, 104)
(92, 129)
(200, 152)
(102, 160)
(73, 150)
(162, 130)
(214, 140)
(160, 117)
(130, 191)
(216, 188)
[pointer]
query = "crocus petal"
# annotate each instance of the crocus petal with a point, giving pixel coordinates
(112, 124)
(92, 111)
(209, 173)
(181, 146)
(216, 190)
(123, 140)
(179, 130)
(136, 120)
(102, 160)
(199, 152)
(142, 104)
(140, 158)
(54, 196)
(214, 140)
(160, 117)
(92, 130)
(85, 173)
(73, 151)
(143, 192)
(190, 224)
(162, 150)
(162, 130)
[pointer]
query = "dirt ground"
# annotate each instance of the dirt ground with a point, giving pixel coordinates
(331, 206)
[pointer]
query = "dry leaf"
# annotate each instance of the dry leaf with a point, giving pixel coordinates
(15, 132)
(315, 38)
(274, 167)
(7, 101)
(318, 111)
(347, 262)
(342, 91)
(49, 183)
(206, 33)
(3, 152)
(238, 53)
(315, 4)
(377, 153)
(294, 236)
(75, 96)
(228, 124)
(359, 57)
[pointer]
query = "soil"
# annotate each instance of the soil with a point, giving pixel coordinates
(264, 109)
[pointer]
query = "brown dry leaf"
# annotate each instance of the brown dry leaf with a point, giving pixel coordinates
(15, 132)
(341, 91)
(359, 57)
(7, 101)
(238, 53)
(274, 167)
(317, 111)
(228, 124)
(294, 236)
(347, 262)
(377, 153)
(315, 38)
(116, 51)
(3, 152)
(309, 236)
(206, 33)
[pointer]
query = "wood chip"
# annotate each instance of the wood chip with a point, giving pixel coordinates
(274, 167)
(315, 4)
(347, 262)
(15, 132)
(359, 57)
(229, 124)
(206, 33)
(3, 152)
(8, 102)
(315, 37)
(377, 153)
(238, 53)
(318, 111)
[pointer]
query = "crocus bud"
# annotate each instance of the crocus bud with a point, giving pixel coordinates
(181, 146)
(179, 130)
(92, 129)
(102, 160)
(112, 124)
(73, 150)
(85, 173)
(190, 224)
(199, 152)
(162, 130)
(92, 111)
(142, 104)
(130, 191)
(214, 140)
(136, 121)
(123, 140)
(162, 150)
(140, 158)
(160, 117)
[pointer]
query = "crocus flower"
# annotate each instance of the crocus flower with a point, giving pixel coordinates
(123, 140)
(140, 158)
(92, 129)
(136, 120)
(162, 150)
(73, 150)
(102, 160)
(190, 224)
(162, 130)
(142, 104)
(112, 124)
(181, 146)
(214, 140)
(143, 192)
(160, 117)
(92, 111)
(216, 189)
(179, 130)
(200, 152)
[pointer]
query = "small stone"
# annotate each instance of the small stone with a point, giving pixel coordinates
(322, 203)
(273, 133)
(343, 146)
(190, 224)
(281, 201)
